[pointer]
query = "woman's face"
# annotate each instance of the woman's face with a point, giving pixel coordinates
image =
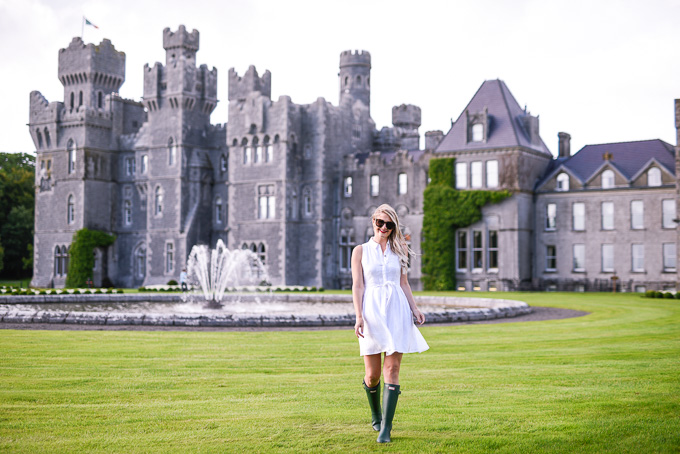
(382, 227)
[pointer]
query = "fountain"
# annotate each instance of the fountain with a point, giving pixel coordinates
(217, 269)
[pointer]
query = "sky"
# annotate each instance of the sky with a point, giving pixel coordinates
(603, 71)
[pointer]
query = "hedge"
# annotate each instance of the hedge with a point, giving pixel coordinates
(81, 260)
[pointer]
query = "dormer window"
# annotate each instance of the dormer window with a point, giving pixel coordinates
(478, 133)
(562, 182)
(607, 179)
(654, 177)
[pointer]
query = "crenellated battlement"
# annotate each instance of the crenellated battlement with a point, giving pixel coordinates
(406, 116)
(86, 63)
(181, 39)
(240, 87)
(355, 58)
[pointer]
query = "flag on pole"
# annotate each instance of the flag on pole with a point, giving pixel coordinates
(87, 22)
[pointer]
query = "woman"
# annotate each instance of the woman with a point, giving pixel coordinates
(385, 309)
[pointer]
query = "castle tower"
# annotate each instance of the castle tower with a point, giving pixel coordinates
(406, 121)
(89, 73)
(355, 77)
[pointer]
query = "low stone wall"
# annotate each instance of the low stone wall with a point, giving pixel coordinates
(450, 309)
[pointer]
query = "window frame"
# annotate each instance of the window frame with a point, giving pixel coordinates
(637, 258)
(550, 257)
(578, 219)
(461, 171)
(637, 219)
(607, 216)
(578, 254)
(607, 258)
(550, 226)
(491, 173)
(668, 215)
(476, 175)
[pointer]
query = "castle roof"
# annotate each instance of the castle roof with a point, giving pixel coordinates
(505, 124)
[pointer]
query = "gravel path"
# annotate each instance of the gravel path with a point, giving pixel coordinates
(538, 314)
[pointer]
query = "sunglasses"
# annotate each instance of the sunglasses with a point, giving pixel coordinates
(380, 223)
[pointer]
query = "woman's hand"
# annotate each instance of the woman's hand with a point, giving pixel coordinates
(420, 317)
(359, 327)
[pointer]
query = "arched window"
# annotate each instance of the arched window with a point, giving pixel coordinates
(223, 163)
(70, 210)
(100, 101)
(654, 177)
(73, 100)
(257, 151)
(244, 246)
(253, 248)
(268, 150)
(57, 261)
(246, 151)
(234, 143)
(261, 253)
(127, 212)
(172, 152)
(607, 179)
(39, 138)
(169, 258)
(80, 98)
(48, 142)
(307, 202)
(65, 253)
(562, 182)
(346, 80)
(358, 80)
(158, 201)
(218, 210)
(140, 261)
(70, 146)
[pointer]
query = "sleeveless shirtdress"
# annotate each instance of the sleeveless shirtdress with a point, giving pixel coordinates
(388, 320)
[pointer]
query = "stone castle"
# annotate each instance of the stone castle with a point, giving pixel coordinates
(297, 183)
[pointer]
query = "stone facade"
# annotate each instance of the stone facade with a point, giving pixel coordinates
(297, 183)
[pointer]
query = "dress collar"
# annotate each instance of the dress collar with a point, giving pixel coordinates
(376, 245)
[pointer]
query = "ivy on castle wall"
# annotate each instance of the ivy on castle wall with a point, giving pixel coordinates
(81, 260)
(445, 209)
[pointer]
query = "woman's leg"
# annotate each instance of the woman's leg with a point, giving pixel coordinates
(391, 368)
(372, 365)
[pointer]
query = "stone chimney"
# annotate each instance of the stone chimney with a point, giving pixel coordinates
(564, 146)
(432, 139)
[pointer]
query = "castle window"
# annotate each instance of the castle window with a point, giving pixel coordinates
(127, 212)
(130, 166)
(578, 214)
(551, 258)
(223, 163)
(358, 80)
(262, 253)
(268, 150)
(402, 184)
(100, 102)
(70, 210)
(477, 250)
(551, 216)
(669, 257)
(39, 138)
(607, 179)
(158, 201)
(347, 187)
(579, 262)
(140, 261)
(346, 244)
(80, 99)
(218, 210)
(307, 202)
(607, 215)
(266, 202)
(562, 182)
(476, 174)
(70, 146)
(638, 257)
(462, 250)
(492, 174)
(246, 155)
(375, 185)
(346, 80)
(73, 100)
(356, 131)
(607, 258)
(493, 250)
(48, 142)
(58, 270)
(478, 132)
(234, 143)
(654, 177)
(172, 152)
(64, 259)
(169, 258)
(637, 215)
(257, 151)
(461, 175)
(668, 210)
(145, 164)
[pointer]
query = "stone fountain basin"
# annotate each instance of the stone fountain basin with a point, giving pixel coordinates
(237, 310)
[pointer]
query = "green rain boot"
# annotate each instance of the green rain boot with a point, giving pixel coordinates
(390, 397)
(374, 402)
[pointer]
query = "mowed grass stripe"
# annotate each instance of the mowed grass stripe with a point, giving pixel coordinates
(606, 382)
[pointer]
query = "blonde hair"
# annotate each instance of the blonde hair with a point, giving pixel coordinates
(396, 239)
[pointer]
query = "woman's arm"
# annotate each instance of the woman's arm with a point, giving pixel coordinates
(406, 287)
(358, 290)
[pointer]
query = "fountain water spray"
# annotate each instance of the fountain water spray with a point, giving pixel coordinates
(217, 269)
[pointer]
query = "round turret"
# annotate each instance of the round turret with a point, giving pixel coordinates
(355, 76)
(406, 116)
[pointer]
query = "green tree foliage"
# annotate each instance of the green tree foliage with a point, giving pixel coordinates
(445, 210)
(17, 201)
(81, 260)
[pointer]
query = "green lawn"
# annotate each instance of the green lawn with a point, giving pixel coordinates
(606, 382)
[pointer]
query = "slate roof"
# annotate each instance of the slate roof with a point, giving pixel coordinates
(505, 129)
(629, 158)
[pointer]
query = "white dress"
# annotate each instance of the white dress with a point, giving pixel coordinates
(388, 320)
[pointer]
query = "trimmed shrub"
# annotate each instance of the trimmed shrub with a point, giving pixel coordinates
(650, 294)
(658, 295)
(668, 295)
(172, 282)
